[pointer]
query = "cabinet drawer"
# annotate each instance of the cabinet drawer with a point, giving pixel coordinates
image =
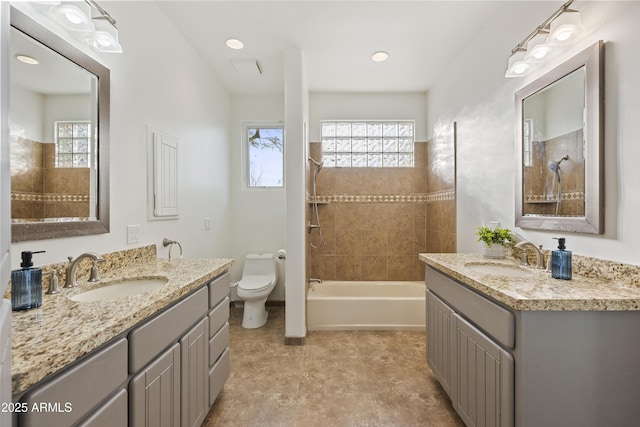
(218, 343)
(218, 376)
(218, 289)
(148, 340)
(218, 317)
(111, 414)
(106, 369)
(496, 321)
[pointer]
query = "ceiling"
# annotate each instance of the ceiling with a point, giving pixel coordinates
(338, 38)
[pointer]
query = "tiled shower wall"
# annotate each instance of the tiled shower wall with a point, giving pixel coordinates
(374, 221)
(40, 190)
(540, 189)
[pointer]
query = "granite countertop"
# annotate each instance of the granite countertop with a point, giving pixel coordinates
(539, 292)
(47, 339)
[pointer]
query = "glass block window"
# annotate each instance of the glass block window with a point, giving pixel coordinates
(361, 144)
(73, 144)
(265, 156)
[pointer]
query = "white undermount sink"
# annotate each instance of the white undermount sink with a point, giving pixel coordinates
(498, 269)
(121, 288)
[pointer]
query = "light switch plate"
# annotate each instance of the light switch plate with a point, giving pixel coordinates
(133, 234)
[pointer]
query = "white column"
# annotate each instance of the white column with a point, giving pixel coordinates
(296, 113)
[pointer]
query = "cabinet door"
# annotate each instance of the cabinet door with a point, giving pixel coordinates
(484, 378)
(155, 392)
(440, 335)
(195, 374)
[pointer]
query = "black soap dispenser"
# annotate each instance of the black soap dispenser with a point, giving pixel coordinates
(561, 261)
(26, 284)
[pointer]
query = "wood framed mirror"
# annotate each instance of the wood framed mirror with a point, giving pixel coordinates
(559, 147)
(59, 134)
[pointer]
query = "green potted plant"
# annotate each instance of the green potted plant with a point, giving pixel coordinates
(494, 240)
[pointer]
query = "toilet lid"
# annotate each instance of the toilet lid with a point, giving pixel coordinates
(254, 283)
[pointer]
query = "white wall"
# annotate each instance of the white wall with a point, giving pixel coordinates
(258, 216)
(473, 91)
(64, 107)
(159, 80)
(26, 112)
(367, 106)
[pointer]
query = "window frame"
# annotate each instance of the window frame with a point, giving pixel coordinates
(246, 159)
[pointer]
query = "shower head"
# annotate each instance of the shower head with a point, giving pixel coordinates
(317, 163)
(555, 166)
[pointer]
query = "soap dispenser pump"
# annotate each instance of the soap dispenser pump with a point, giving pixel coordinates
(26, 284)
(561, 261)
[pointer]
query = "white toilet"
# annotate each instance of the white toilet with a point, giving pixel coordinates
(259, 277)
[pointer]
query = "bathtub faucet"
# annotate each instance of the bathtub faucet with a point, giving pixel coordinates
(314, 280)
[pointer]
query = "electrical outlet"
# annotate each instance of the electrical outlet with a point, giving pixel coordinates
(133, 234)
(207, 224)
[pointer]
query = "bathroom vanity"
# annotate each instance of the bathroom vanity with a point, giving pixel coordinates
(513, 346)
(155, 358)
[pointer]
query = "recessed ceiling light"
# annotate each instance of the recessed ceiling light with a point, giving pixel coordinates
(379, 56)
(235, 44)
(27, 59)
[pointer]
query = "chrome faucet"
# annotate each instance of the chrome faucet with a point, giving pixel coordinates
(538, 251)
(71, 279)
(314, 280)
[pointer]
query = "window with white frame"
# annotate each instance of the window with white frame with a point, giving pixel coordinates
(265, 156)
(73, 144)
(367, 143)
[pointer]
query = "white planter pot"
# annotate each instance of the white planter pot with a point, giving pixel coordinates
(495, 251)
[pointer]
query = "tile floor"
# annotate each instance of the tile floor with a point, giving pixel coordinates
(338, 378)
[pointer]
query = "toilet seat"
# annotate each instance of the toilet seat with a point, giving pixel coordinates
(254, 283)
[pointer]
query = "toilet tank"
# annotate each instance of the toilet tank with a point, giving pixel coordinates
(260, 265)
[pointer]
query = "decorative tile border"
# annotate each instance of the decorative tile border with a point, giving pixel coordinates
(49, 197)
(440, 196)
(533, 198)
(373, 198)
(387, 198)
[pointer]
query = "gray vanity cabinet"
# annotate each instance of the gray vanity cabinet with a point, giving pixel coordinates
(466, 340)
(532, 367)
(174, 389)
(167, 371)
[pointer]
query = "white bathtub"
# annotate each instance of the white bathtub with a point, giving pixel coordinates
(334, 305)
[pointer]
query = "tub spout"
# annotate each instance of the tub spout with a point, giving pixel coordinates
(315, 280)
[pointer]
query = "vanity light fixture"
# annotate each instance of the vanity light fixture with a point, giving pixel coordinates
(558, 30)
(105, 37)
(537, 48)
(379, 56)
(518, 66)
(74, 16)
(234, 44)
(566, 27)
(90, 22)
(27, 59)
